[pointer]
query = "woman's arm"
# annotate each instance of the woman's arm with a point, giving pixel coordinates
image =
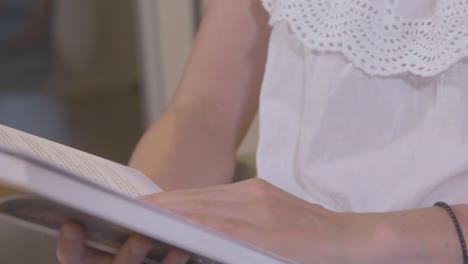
(260, 214)
(194, 143)
(420, 236)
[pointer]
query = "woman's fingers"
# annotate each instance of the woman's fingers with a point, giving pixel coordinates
(72, 250)
(133, 251)
(212, 209)
(176, 256)
(71, 246)
(226, 193)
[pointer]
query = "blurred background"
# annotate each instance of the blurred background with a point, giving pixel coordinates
(92, 75)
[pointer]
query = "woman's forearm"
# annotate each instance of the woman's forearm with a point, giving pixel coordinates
(195, 142)
(181, 151)
(417, 236)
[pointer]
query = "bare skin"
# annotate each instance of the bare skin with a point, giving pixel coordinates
(192, 148)
(217, 98)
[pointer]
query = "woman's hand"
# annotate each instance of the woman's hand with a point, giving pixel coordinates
(262, 215)
(72, 250)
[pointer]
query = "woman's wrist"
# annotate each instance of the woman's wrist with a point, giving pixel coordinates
(370, 239)
(414, 236)
(386, 243)
(378, 238)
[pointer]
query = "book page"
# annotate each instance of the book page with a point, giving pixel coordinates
(109, 174)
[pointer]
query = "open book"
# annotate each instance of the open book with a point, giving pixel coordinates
(44, 184)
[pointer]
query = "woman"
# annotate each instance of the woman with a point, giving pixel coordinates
(363, 122)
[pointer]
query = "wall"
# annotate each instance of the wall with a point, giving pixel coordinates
(174, 40)
(94, 44)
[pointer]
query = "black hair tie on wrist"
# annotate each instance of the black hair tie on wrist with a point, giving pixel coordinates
(457, 227)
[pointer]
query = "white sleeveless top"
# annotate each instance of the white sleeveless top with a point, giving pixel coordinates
(364, 105)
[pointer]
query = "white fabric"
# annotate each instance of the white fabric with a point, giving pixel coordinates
(381, 37)
(334, 134)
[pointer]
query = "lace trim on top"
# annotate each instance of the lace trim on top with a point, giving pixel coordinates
(374, 37)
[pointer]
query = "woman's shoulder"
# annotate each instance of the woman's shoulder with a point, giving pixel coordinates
(381, 37)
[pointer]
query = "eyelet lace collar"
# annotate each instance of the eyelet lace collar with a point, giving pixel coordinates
(374, 37)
